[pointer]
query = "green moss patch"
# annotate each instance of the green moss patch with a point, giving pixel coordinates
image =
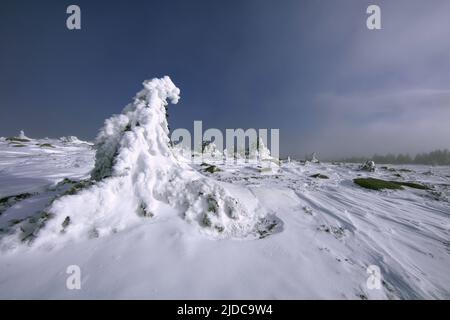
(378, 184)
(414, 185)
(66, 222)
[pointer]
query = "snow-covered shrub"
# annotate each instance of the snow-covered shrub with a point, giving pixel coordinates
(210, 152)
(256, 151)
(263, 151)
(312, 158)
(22, 135)
(137, 173)
(20, 138)
(368, 166)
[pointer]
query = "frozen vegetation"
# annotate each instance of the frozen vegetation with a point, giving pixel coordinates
(142, 221)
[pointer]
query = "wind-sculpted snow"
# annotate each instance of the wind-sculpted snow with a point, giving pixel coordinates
(136, 176)
(325, 232)
(140, 131)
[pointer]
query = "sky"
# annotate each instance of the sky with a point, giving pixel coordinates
(309, 68)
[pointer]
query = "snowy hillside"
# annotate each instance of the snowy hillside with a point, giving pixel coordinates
(141, 222)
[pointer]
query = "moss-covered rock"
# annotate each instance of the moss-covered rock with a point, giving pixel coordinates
(414, 185)
(213, 206)
(144, 212)
(212, 169)
(77, 187)
(46, 145)
(378, 184)
(9, 201)
(15, 139)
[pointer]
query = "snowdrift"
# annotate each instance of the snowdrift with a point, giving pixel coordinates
(137, 176)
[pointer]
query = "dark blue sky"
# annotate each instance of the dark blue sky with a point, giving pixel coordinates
(310, 68)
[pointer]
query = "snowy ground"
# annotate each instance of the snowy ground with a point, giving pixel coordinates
(328, 232)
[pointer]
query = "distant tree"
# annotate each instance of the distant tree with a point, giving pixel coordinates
(437, 157)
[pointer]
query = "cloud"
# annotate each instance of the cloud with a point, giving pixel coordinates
(392, 121)
(414, 39)
(386, 90)
(392, 103)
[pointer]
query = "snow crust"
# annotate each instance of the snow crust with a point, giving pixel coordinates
(73, 140)
(22, 135)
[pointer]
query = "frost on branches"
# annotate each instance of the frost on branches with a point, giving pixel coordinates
(136, 174)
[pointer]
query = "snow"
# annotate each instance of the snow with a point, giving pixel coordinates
(404, 232)
(211, 152)
(312, 158)
(368, 166)
(139, 231)
(73, 139)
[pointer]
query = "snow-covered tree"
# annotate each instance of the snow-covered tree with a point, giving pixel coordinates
(210, 151)
(312, 158)
(22, 135)
(136, 172)
(368, 166)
